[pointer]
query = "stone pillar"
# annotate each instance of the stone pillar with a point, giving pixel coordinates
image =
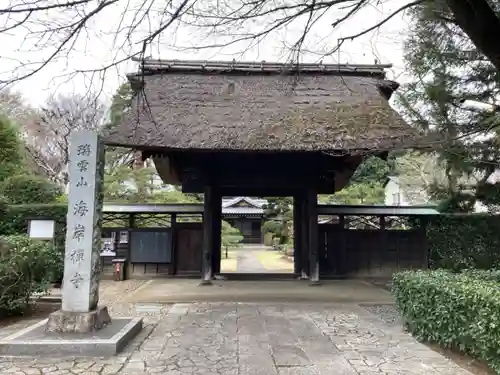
(80, 294)
(312, 216)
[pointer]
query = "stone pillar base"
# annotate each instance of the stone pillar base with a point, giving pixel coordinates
(66, 321)
(303, 276)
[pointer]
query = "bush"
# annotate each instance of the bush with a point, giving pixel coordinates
(15, 222)
(230, 236)
(488, 275)
(3, 206)
(26, 266)
(29, 189)
(464, 241)
(268, 239)
(453, 310)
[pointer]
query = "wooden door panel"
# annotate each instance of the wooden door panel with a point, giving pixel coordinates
(189, 249)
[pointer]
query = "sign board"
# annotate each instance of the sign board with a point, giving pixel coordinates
(108, 247)
(151, 246)
(41, 229)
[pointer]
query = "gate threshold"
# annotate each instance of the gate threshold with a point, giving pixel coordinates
(258, 276)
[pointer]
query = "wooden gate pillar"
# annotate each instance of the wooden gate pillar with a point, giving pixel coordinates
(297, 235)
(312, 216)
(217, 227)
(304, 229)
(209, 227)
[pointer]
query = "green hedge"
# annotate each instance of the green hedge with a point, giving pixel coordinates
(29, 189)
(15, 222)
(26, 266)
(488, 275)
(464, 241)
(453, 310)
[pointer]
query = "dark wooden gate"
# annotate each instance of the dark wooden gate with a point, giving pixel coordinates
(369, 253)
(188, 248)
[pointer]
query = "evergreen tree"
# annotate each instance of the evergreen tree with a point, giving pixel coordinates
(358, 193)
(448, 70)
(11, 149)
(366, 185)
(373, 170)
(127, 177)
(278, 214)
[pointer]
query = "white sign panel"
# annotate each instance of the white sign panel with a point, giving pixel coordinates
(108, 247)
(41, 229)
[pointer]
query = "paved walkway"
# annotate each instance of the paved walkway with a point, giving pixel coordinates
(257, 258)
(254, 339)
(248, 261)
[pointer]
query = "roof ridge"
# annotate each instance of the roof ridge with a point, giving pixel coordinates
(156, 65)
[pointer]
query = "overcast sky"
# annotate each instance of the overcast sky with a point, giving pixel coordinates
(97, 47)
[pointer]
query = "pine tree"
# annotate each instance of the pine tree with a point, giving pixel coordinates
(11, 149)
(127, 177)
(278, 214)
(448, 70)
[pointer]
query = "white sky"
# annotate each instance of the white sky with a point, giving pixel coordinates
(93, 50)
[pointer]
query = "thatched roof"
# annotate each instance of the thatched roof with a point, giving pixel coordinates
(261, 106)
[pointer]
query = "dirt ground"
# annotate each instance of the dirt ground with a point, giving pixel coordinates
(464, 361)
(38, 310)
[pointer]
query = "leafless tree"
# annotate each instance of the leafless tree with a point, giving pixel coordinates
(57, 28)
(48, 139)
(15, 108)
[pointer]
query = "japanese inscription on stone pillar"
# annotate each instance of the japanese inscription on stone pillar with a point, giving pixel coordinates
(82, 254)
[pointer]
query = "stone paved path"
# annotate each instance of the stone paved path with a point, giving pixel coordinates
(247, 260)
(256, 339)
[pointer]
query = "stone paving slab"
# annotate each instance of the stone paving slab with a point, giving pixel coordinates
(258, 339)
(282, 291)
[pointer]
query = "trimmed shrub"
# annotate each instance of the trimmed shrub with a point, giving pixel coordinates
(26, 266)
(453, 310)
(15, 222)
(29, 189)
(268, 239)
(230, 236)
(464, 241)
(488, 275)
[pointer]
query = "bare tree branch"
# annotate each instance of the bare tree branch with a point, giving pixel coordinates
(384, 21)
(65, 27)
(36, 8)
